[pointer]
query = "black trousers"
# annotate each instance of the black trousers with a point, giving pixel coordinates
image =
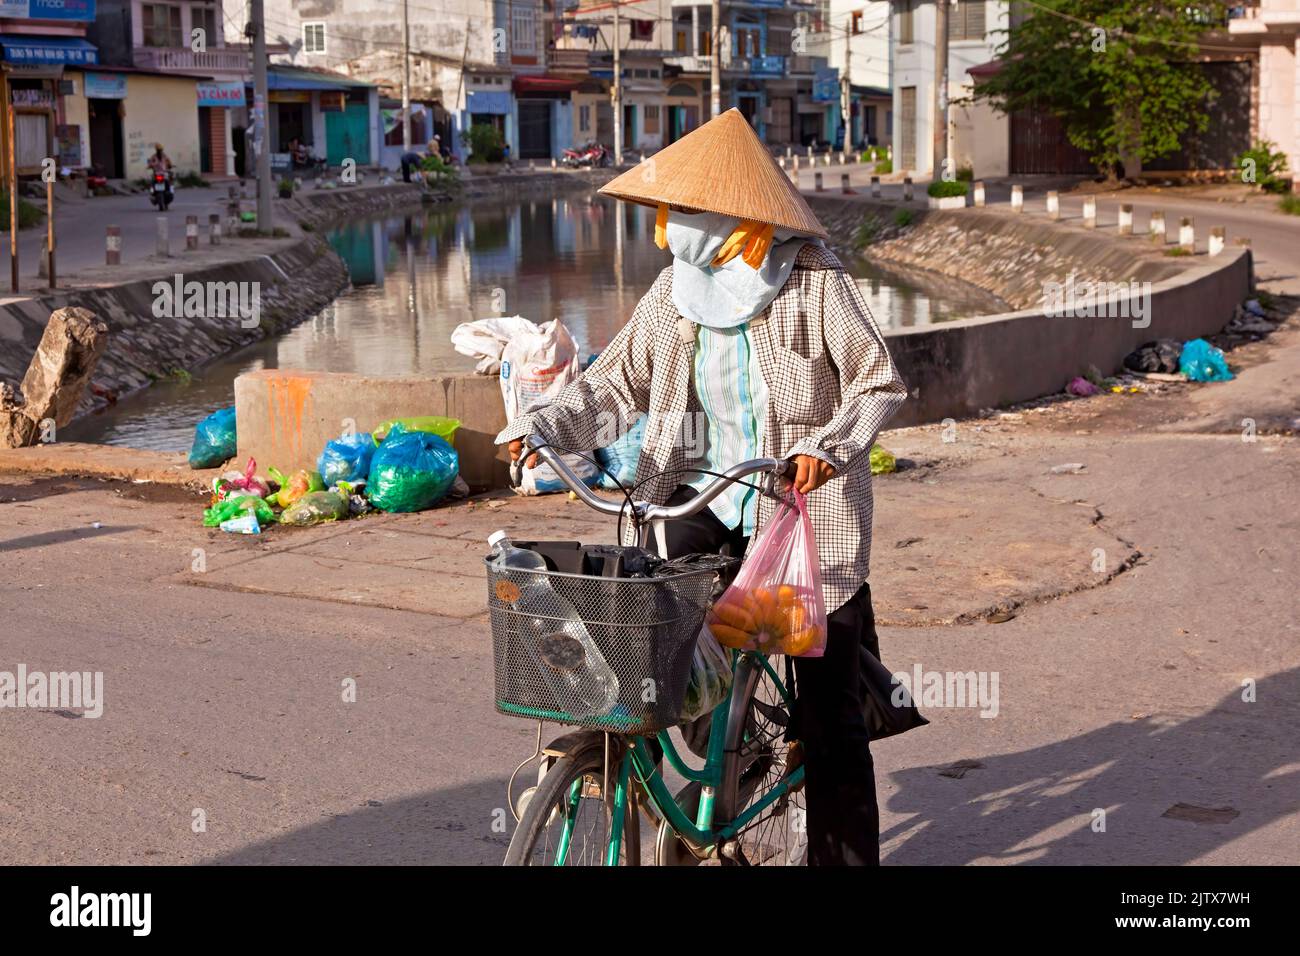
(828, 718)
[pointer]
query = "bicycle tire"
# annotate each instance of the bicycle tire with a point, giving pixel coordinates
(552, 794)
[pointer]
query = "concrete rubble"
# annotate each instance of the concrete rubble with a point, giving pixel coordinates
(59, 372)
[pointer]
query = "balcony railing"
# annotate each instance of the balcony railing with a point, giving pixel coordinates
(689, 64)
(573, 59)
(757, 65)
(227, 59)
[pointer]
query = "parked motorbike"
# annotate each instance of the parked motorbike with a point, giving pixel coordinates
(589, 154)
(160, 191)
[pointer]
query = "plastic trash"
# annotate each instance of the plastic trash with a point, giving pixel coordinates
(237, 507)
(558, 642)
(621, 457)
(234, 483)
(444, 428)
(486, 339)
(710, 680)
(346, 458)
(775, 605)
(1082, 387)
(214, 439)
(882, 461)
(1202, 362)
(1161, 355)
(411, 471)
(293, 487)
(244, 524)
(315, 507)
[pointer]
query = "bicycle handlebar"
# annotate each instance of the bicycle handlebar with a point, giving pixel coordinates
(644, 511)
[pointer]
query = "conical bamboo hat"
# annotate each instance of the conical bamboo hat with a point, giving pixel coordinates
(721, 167)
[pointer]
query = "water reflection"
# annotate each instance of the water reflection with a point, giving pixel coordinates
(584, 259)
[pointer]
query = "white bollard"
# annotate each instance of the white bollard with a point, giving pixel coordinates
(781, 162)
(875, 187)
(907, 189)
(1017, 199)
(214, 229)
(979, 194)
(810, 152)
(162, 247)
(843, 160)
(1090, 212)
(1187, 234)
(796, 164)
(818, 182)
(844, 184)
(1126, 219)
(113, 246)
(1218, 239)
(889, 152)
(828, 158)
(191, 233)
(1157, 227)
(1053, 205)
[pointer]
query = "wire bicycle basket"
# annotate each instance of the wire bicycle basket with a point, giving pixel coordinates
(624, 668)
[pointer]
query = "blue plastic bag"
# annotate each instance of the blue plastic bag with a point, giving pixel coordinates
(620, 458)
(1202, 362)
(410, 471)
(346, 458)
(214, 439)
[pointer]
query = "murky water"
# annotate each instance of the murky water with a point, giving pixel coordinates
(416, 278)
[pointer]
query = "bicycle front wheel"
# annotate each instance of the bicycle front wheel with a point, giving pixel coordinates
(567, 821)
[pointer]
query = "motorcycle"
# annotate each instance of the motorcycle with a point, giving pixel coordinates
(581, 157)
(160, 192)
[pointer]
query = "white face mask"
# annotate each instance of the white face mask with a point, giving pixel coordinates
(725, 296)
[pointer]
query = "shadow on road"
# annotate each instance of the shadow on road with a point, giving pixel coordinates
(447, 827)
(60, 537)
(1037, 806)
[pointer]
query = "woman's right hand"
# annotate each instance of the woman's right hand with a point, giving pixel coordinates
(516, 448)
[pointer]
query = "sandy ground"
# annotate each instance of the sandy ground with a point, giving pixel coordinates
(1146, 649)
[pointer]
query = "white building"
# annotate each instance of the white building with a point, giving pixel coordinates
(976, 29)
(1275, 26)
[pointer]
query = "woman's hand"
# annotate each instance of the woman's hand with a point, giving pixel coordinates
(811, 473)
(516, 449)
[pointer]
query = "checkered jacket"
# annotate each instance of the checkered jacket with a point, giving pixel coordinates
(831, 384)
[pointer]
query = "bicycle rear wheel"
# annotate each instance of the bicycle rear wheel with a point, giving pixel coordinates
(567, 819)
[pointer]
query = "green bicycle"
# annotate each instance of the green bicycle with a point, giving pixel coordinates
(596, 785)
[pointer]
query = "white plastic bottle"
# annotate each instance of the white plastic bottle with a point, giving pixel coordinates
(555, 637)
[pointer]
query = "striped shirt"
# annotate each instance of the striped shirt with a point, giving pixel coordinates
(733, 396)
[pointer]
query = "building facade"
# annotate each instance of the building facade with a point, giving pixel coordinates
(1271, 28)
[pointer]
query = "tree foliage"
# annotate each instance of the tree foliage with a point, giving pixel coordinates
(1121, 75)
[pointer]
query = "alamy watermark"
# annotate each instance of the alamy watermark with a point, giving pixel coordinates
(179, 299)
(53, 690)
(1088, 299)
(943, 689)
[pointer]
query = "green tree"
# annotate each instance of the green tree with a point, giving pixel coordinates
(1121, 75)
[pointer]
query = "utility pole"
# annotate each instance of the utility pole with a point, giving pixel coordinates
(715, 57)
(261, 136)
(940, 103)
(846, 85)
(406, 80)
(616, 92)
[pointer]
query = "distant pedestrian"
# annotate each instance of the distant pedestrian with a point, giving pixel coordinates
(410, 162)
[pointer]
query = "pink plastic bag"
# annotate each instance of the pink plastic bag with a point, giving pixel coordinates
(775, 604)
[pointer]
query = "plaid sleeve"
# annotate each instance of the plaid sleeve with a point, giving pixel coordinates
(603, 402)
(871, 389)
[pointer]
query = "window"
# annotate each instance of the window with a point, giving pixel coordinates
(523, 33)
(679, 41)
(313, 37)
(205, 19)
(162, 25)
(584, 119)
(651, 120)
(966, 20)
(905, 23)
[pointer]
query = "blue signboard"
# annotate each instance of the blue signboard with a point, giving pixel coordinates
(488, 101)
(48, 50)
(826, 85)
(228, 93)
(105, 86)
(81, 10)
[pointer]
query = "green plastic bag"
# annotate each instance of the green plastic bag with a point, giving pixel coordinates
(444, 428)
(315, 507)
(234, 507)
(410, 471)
(882, 461)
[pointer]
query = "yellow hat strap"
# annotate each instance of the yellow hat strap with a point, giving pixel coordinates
(751, 237)
(661, 226)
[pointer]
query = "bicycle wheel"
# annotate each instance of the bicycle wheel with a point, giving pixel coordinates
(757, 762)
(566, 822)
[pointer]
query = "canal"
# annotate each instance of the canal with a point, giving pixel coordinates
(584, 259)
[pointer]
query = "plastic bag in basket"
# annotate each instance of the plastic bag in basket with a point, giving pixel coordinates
(710, 680)
(775, 604)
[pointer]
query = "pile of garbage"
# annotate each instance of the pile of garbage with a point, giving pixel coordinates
(404, 465)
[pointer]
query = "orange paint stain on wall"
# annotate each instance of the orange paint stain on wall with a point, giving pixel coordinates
(287, 399)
